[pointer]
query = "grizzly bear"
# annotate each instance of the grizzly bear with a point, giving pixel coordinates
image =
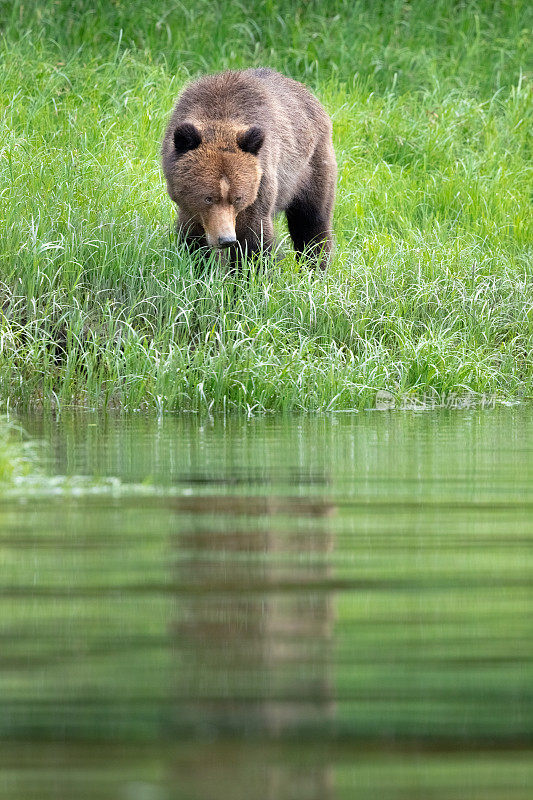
(241, 147)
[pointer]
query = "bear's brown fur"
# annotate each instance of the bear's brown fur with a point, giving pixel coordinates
(243, 146)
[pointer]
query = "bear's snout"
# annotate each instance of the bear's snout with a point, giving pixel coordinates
(219, 225)
(226, 241)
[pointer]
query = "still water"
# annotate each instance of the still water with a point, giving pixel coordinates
(309, 608)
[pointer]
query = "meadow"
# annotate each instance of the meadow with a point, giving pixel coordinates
(429, 295)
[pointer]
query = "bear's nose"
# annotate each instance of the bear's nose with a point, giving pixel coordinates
(226, 241)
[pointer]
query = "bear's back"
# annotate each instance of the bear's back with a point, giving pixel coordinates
(291, 95)
(254, 96)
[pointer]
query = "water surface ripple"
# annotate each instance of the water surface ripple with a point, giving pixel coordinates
(301, 608)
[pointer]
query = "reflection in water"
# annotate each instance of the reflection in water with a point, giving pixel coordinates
(243, 771)
(254, 641)
(333, 608)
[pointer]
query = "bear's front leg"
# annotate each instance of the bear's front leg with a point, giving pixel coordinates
(191, 232)
(310, 212)
(310, 230)
(255, 234)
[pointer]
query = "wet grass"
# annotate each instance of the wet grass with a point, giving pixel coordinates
(18, 455)
(429, 294)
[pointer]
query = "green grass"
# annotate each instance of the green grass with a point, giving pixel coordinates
(430, 291)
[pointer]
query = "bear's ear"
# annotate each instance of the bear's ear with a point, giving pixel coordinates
(251, 140)
(186, 137)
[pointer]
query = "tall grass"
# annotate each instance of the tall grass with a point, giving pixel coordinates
(430, 291)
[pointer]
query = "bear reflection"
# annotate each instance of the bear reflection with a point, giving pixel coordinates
(253, 642)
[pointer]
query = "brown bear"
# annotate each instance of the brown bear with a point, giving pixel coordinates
(241, 147)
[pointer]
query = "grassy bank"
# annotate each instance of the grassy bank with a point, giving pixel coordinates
(430, 291)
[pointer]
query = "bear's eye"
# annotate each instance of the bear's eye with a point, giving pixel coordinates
(238, 199)
(209, 200)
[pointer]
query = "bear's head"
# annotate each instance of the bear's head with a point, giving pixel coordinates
(215, 175)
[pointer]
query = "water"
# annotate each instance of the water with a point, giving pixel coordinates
(311, 608)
